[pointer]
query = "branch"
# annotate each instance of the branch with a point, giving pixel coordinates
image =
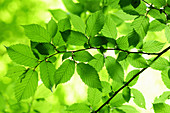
(126, 84)
(93, 48)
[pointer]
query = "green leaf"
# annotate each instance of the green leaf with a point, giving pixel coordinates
(135, 3)
(118, 21)
(58, 39)
(74, 38)
(79, 108)
(133, 39)
(109, 28)
(122, 43)
(157, 15)
(64, 25)
(36, 33)
(75, 8)
(83, 56)
(89, 75)
(126, 94)
(130, 75)
(26, 86)
(155, 25)
(77, 23)
(162, 98)
(141, 25)
(169, 73)
(94, 96)
(66, 55)
(45, 48)
(117, 101)
(161, 108)
(160, 64)
(138, 98)
(114, 69)
(15, 71)
(167, 33)
(158, 3)
(106, 87)
(122, 56)
(52, 27)
(165, 78)
(47, 70)
(58, 14)
(152, 46)
(97, 62)
(133, 7)
(137, 60)
(91, 5)
(64, 72)
(22, 54)
(95, 23)
(128, 109)
(98, 41)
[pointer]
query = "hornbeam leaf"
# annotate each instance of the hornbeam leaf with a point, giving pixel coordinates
(152, 46)
(74, 38)
(94, 23)
(122, 43)
(47, 70)
(52, 27)
(26, 85)
(64, 72)
(94, 96)
(37, 33)
(163, 97)
(114, 69)
(167, 33)
(141, 25)
(83, 56)
(137, 60)
(22, 54)
(130, 75)
(79, 108)
(78, 23)
(165, 78)
(127, 109)
(97, 62)
(89, 75)
(161, 108)
(160, 64)
(58, 14)
(15, 71)
(109, 28)
(138, 98)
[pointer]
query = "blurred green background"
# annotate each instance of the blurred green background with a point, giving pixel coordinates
(14, 13)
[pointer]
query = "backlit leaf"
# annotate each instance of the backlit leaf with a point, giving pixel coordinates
(26, 85)
(141, 25)
(64, 25)
(167, 33)
(152, 46)
(160, 64)
(79, 108)
(89, 75)
(74, 38)
(114, 69)
(22, 54)
(161, 108)
(47, 70)
(36, 33)
(94, 96)
(137, 61)
(109, 28)
(52, 27)
(97, 62)
(126, 94)
(130, 75)
(78, 23)
(155, 25)
(122, 43)
(165, 78)
(138, 98)
(83, 56)
(58, 14)
(94, 23)
(64, 72)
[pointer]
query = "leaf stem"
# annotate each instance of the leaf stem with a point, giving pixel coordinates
(126, 84)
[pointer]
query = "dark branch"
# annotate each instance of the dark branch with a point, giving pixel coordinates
(126, 84)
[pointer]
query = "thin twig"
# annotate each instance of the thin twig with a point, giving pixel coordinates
(126, 84)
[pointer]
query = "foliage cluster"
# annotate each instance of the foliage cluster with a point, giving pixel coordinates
(92, 25)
